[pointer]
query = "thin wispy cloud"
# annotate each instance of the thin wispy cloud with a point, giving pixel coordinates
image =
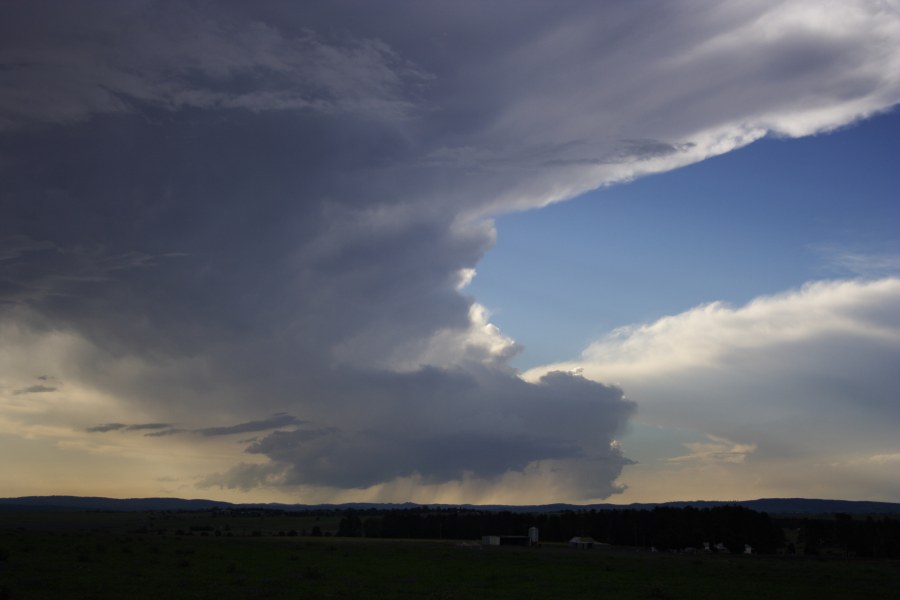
(106, 427)
(123, 427)
(274, 422)
(867, 263)
(165, 432)
(34, 389)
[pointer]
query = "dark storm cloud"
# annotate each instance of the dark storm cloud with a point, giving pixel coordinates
(254, 209)
(16, 245)
(43, 269)
(441, 426)
(97, 58)
(366, 458)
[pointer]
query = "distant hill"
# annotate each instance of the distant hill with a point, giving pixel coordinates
(82, 503)
(92, 503)
(809, 506)
(797, 506)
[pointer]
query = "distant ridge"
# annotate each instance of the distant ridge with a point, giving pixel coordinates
(798, 506)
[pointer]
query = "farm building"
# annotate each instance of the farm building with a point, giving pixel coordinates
(512, 540)
(582, 543)
(504, 540)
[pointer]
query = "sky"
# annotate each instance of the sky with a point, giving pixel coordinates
(481, 252)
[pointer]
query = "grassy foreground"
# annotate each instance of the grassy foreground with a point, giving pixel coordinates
(53, 562)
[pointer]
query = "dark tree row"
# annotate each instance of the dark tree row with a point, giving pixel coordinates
(874, 537)
(664, 528)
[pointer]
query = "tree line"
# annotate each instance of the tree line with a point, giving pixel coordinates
(871, 536)
(665, 528)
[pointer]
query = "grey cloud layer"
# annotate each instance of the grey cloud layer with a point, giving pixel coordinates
(446, 424)
(269, 209)
(176, 57)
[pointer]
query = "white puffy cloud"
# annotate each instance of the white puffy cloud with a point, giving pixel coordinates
(716, 334)
(777, 386)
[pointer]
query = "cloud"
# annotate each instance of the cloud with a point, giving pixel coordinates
(716, 334)
(715, 450)
(166, 429)
(444, 426)
(273, 422)
(106, 427)
(33, 271)
(165, 432)
(34, 389)
(883, 459)
(137, 55)
(781, 380)
(123, 427)
(866, 263)
(16, 245)
(270, 210)
(143, 426)
(876, 459)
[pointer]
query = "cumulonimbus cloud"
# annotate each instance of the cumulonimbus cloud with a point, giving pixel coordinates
(241, 213)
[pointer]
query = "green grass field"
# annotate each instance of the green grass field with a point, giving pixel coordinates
(97, 555)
